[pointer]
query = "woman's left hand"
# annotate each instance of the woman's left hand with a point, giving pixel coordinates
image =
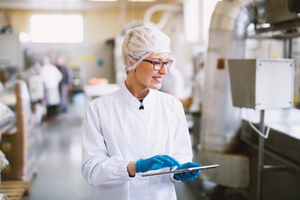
(155, 162)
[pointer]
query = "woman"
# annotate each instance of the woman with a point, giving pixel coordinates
(137, 128)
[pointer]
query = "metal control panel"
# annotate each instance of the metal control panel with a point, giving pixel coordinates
(262, 83)
(279, 10)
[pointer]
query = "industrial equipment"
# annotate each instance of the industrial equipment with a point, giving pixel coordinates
(262, 84)
(223, 131)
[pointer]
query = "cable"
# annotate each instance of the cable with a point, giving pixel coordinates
(260, 133)
(270, 44)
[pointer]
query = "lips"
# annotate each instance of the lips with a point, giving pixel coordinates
(158, 79)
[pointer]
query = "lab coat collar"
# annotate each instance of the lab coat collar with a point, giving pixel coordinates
(133, 102)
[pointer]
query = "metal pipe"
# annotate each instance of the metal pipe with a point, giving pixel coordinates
(291, 165)
(288, 48)
(261, 155)
(273, 168)
(162, 23)
(227, 33)
(256, 14)
(275, 35)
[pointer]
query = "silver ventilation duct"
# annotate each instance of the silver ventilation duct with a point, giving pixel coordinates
(227, 33)
(220, 120)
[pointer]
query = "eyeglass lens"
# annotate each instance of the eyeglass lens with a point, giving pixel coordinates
(158, 65)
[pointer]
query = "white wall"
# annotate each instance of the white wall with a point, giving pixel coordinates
(99, 27)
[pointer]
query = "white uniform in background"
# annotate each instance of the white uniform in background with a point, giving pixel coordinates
(173, 83)
(1, 88)
(51, 77)
(116, 132)
(198, 91)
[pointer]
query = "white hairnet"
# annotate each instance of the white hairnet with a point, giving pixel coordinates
(141, 42)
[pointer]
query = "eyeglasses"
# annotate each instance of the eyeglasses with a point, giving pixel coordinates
(158, 65)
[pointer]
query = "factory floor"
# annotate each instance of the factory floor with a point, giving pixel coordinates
(59, 161)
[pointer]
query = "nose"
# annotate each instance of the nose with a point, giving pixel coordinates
(164, 70)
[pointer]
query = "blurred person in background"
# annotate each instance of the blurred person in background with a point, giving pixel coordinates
(1, 88)
(173, 83)
(65, 84)
(198, 90)
(51, 77)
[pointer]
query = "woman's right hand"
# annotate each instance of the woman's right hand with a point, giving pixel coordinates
(187, 176)
(155, 162)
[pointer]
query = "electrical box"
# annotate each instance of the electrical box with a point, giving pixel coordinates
(261, 83)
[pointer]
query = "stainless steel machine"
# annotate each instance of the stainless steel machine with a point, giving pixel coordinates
(225, 137)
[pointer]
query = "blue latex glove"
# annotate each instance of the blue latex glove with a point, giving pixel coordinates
(187, 176)
(155, 162)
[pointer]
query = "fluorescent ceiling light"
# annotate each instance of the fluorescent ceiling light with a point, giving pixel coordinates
(64, 0)
(103, 0)
(142, 0)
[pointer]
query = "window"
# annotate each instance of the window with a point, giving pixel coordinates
(56, 28)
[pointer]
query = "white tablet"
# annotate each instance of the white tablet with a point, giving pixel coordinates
(183, 170)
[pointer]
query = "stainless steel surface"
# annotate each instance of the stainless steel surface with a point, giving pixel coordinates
(278, 11)
(281, 19)
(182, 170)
(232, 16)
(276, 185)
(294, 6)
(295, 23)
(261, 10)
(262, 83)
(260, 155)
(273, 168)
(281, 174)
(234, 170)
(288, 48)
(274, 35)
(292, 165)
(228, 30)
(242, 80)
(284, 137)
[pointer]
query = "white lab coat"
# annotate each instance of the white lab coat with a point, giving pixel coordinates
(116, 132)
(198, 91)
(51, 77)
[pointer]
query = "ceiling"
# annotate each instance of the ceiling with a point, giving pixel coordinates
(77, 5)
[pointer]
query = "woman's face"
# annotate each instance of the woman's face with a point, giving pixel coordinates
(147, 76)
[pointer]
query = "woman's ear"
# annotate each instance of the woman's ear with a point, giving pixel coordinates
(130, 61)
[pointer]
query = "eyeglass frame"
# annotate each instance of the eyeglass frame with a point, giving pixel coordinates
(162, 66)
